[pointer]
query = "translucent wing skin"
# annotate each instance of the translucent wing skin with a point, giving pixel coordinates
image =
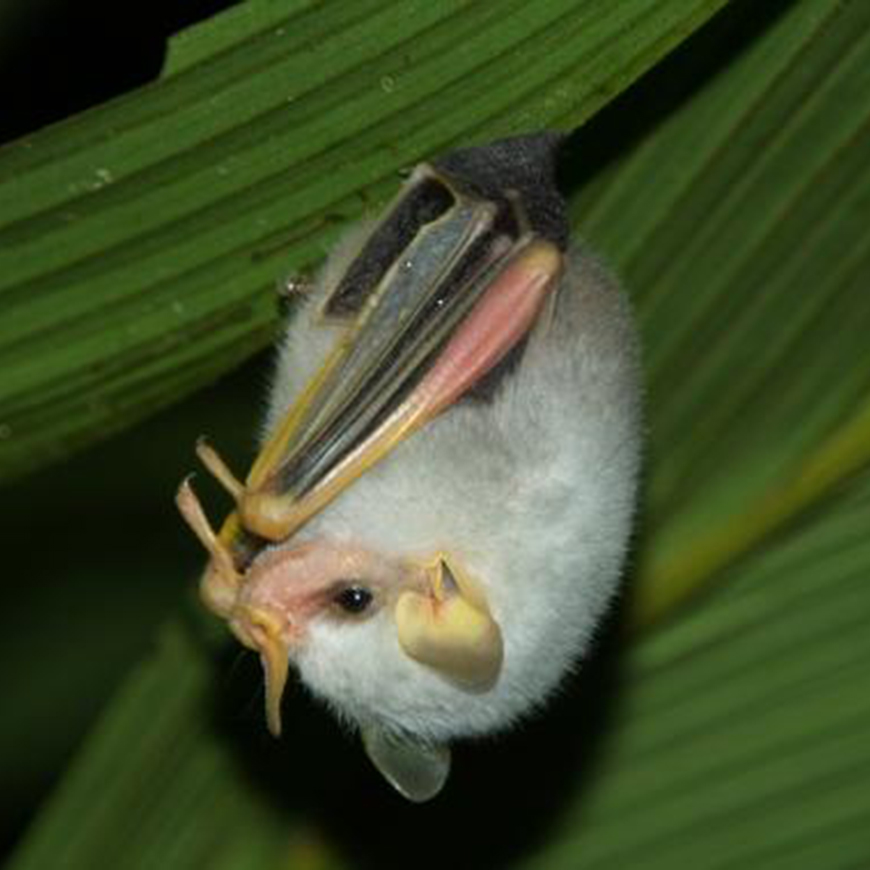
(417, 770)
(449, 281)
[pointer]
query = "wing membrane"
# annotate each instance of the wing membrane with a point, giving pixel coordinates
(444, 249)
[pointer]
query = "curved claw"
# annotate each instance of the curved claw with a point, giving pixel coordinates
(261, 631)
(275, 660)
(212, 460)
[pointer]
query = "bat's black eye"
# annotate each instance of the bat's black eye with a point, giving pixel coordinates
(354, 599)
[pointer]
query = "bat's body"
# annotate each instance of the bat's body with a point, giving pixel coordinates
(531, 489)
(447, 590)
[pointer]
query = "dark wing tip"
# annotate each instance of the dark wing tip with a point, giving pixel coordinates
(524, 164)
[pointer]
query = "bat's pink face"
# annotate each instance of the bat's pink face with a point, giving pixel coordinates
(288, 588)
(285, 590)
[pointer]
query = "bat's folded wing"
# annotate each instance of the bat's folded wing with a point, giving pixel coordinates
(446, 285)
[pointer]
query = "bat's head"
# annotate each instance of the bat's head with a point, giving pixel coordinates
(295, 596)
(298, 603)
(367, 632)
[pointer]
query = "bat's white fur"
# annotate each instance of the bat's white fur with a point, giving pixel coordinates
(532, 494)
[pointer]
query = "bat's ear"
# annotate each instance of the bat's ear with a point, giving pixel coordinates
(450, 629)
(417, 770)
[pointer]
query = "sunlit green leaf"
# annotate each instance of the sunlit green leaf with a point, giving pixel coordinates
(743, 741)
(748, 248)
(140, 242)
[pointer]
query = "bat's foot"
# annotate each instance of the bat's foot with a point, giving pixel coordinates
(221, 581)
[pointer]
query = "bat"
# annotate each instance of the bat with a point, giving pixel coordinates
(441, 507)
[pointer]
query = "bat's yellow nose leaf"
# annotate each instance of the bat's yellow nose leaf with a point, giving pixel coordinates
(453, 636)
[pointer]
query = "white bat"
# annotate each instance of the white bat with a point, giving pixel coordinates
(439, 514)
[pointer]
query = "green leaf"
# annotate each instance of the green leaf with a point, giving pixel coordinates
(172, 761)
(140, 242)
(742, 225)
(741, 221)
(743, 740)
